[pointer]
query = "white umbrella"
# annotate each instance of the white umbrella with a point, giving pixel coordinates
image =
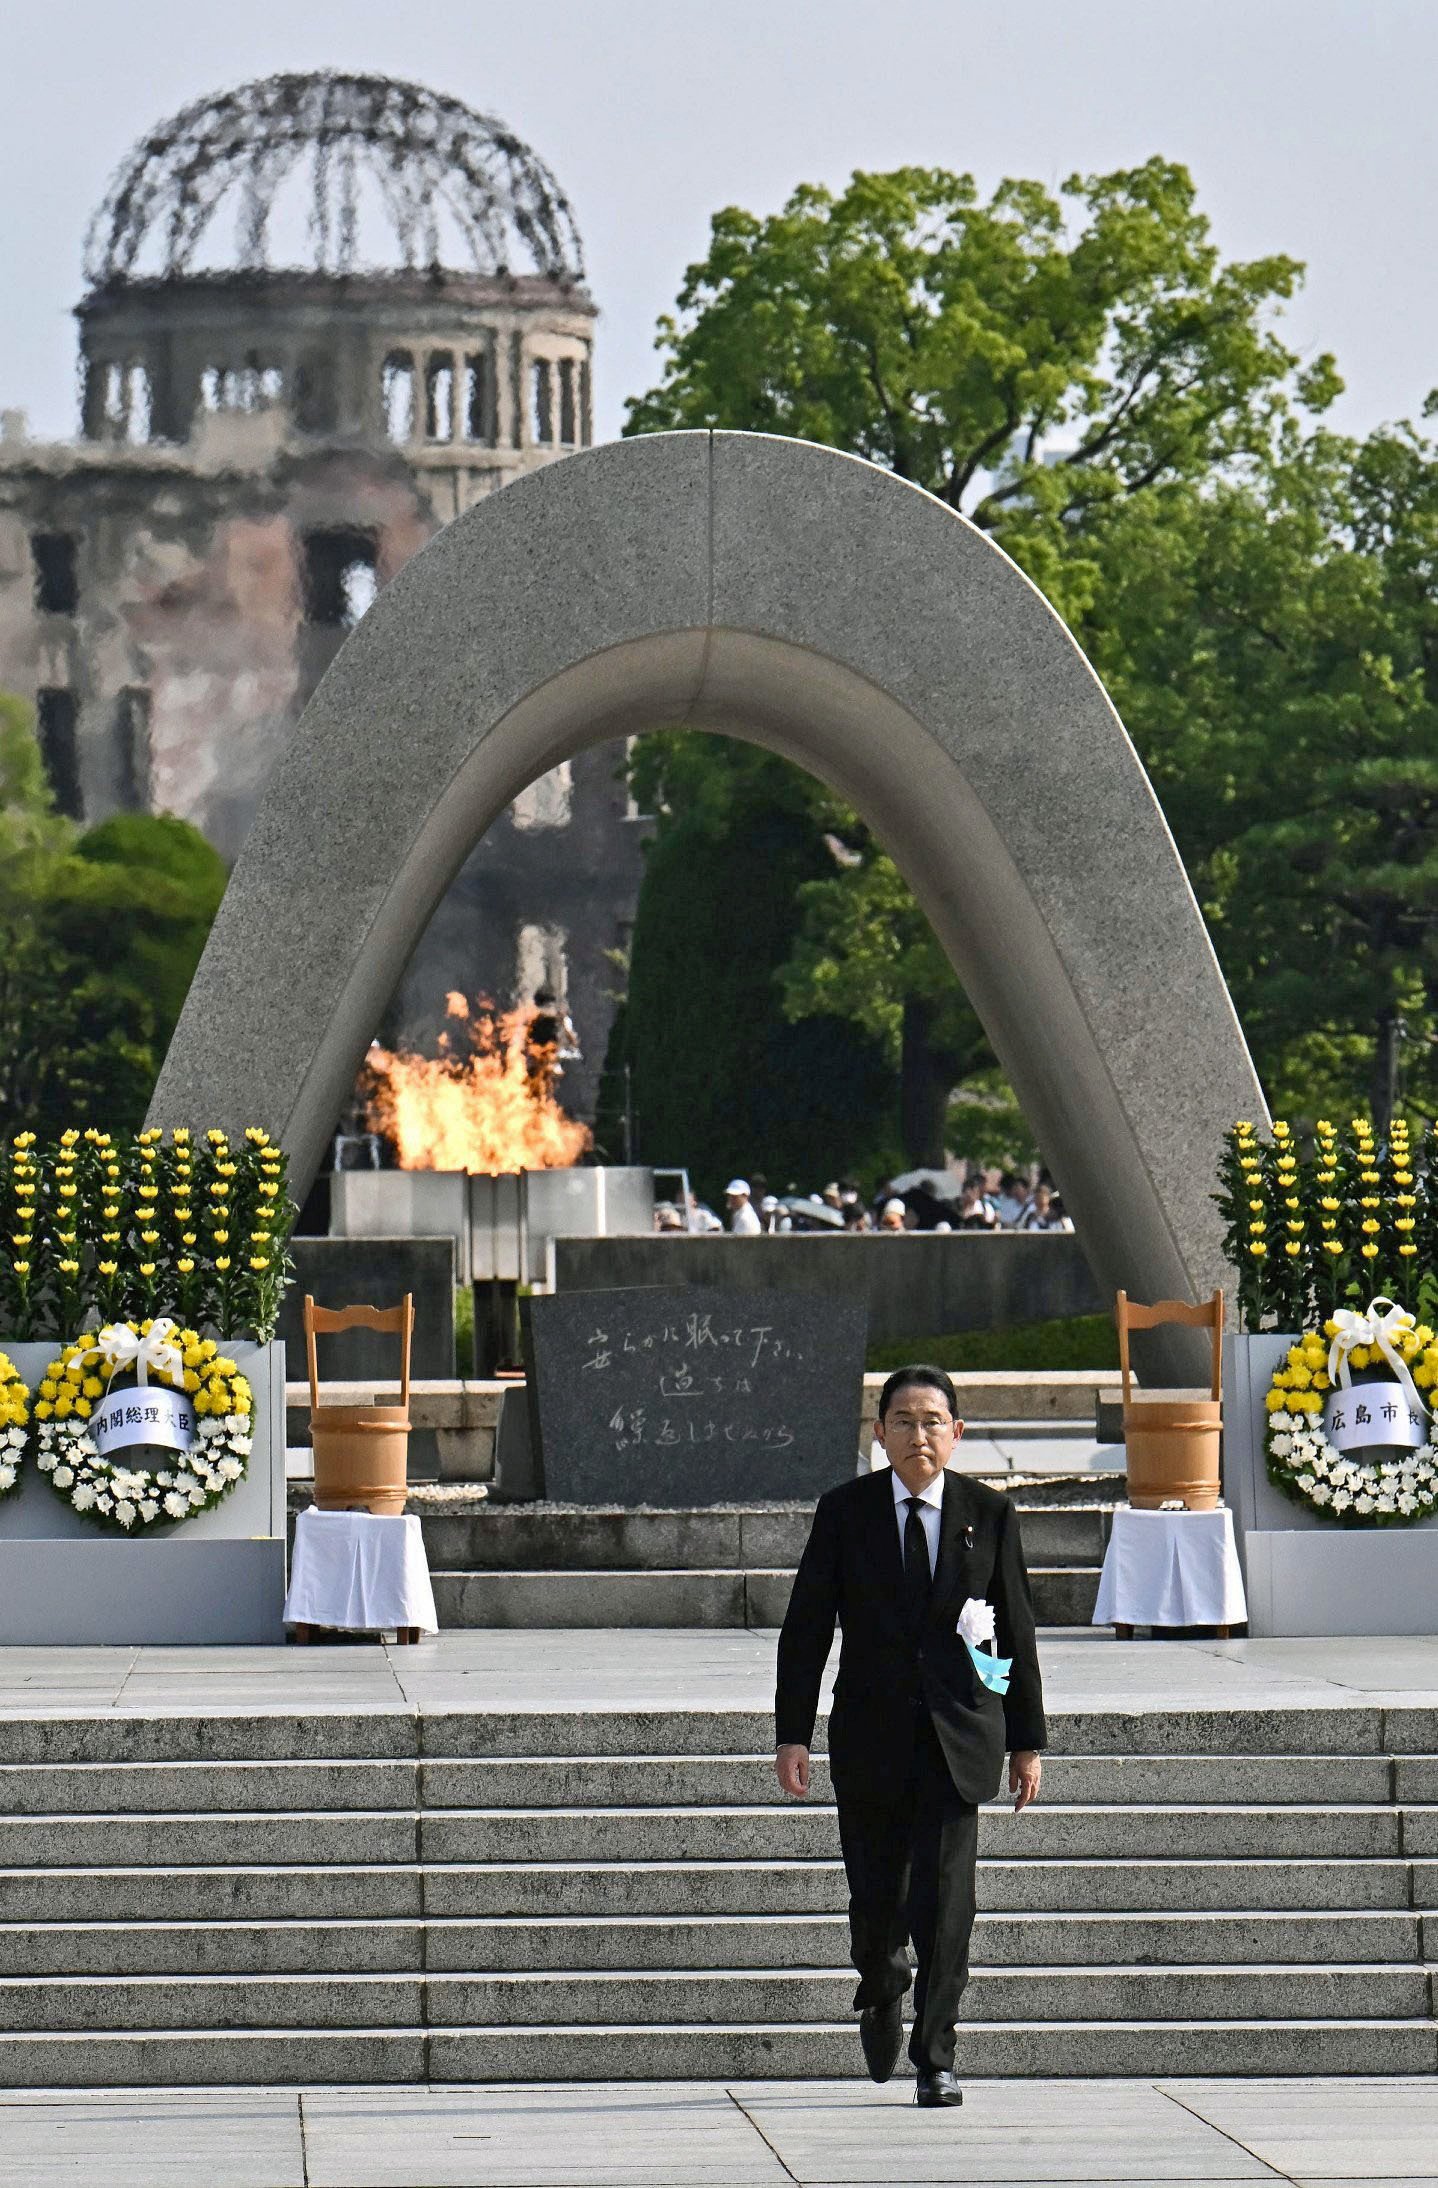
(941, 1183)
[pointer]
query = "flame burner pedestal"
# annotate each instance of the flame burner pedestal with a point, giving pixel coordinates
(503, 1225)
(503, 1228)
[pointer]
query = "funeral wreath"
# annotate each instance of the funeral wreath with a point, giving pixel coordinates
(14, 1414)
(1363, 1453)
(1330, 1239)
(148, 1387)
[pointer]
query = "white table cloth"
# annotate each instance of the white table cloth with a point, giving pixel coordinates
(358, 1572)
(1171, 1569)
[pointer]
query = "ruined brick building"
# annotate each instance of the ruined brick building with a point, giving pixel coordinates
(323, 315)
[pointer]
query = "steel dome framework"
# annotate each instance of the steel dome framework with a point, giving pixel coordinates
(441, 172)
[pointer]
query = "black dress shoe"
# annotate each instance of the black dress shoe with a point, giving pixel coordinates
(937, 2085)
(881, 2032)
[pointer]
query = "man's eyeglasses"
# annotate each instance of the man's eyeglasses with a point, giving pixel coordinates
(907, 1425)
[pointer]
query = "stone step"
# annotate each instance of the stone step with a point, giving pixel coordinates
(641, 1997)
(95, 2002)
(213, 2058)
(817, 1887)
(288, 2058)
(662, 1887)
(809, 1833)
(32, 1789)
(661, 1781)
(595, 1599)
(989, 2050)
(1063, 1595)
(99, 1841)
(271, 1894)
(196, 1949)
(291, 1735)
(692, 1942)
(1218, 1732)
(553, 1943)
(517, 1538)
(389, 1892)
(399, 1731)
(1092, 1489)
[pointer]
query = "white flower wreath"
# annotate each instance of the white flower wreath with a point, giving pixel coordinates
(1357, 1489)
(127, 1498)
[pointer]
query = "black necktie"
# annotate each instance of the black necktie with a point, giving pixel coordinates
(918, 1580)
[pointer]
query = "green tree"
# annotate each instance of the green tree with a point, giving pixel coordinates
(100, 932)
(721, 1079)
(1059, 369)
(1274, 655)
(1033, 361)
(28, 823)
(865, 952)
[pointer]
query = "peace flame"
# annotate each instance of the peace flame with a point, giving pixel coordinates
(485, 1103)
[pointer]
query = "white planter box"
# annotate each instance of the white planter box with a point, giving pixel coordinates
(1304, 1575)
(219, 1577)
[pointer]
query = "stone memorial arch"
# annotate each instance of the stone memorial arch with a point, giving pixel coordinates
(778, 591)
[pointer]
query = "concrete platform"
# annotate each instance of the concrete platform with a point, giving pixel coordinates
(1306, 2131)
(1086, 1672)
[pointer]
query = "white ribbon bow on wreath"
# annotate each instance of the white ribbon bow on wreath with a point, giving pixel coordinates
(1379, 1331)
(120, 1348)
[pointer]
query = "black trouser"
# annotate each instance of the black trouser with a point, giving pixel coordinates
(910, 1865)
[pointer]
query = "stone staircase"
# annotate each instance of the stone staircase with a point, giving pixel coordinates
(556, 1565)
(394, 1895)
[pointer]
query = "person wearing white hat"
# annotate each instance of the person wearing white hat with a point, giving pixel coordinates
(742, 1217)
(891, 1216)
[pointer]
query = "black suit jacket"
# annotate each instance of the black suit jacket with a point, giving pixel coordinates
(852, 1570)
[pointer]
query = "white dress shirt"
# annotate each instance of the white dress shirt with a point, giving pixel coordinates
(931, 1504)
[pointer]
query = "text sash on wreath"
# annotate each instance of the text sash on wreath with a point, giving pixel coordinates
(153, 1415)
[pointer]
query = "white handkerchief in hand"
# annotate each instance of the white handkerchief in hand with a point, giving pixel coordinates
(976, 1622)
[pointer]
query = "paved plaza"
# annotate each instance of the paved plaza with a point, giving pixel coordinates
(664, 1668)
(1192, 2134)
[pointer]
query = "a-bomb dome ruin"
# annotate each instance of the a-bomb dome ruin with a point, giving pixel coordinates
(323, 315)
(383, 174)
(373, 258)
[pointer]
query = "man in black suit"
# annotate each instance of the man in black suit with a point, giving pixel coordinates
(916, 1740)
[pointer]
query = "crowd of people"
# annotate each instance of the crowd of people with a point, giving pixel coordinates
(969, 1198)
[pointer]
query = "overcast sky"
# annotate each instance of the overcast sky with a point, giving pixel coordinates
(1307, 123)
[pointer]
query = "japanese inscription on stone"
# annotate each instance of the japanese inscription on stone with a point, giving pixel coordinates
(665, 1397)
